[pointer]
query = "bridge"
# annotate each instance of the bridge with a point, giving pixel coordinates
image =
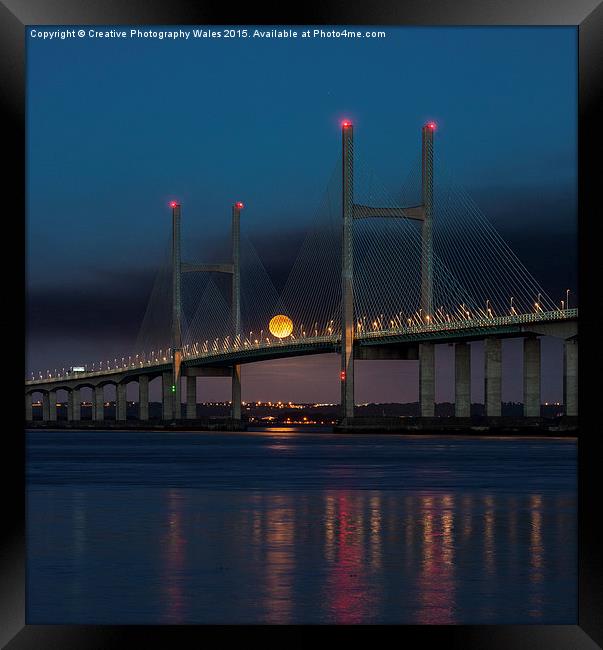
(435, 273)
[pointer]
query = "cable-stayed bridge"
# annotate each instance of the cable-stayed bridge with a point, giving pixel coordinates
(379, 275)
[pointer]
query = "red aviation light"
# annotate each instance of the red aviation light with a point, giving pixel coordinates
(239, 205)
(431, 125)
(346, 124)
(174, 204)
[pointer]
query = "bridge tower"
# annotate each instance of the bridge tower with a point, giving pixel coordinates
(236, 305)
(351, 211)
(234, 269)
(176, 314)
(427, 225)
(347, 274)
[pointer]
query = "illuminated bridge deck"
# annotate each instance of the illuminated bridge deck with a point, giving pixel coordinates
(250, 351)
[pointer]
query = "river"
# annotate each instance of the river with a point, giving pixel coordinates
(289, 526)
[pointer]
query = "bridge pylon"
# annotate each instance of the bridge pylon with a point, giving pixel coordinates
(347, 274)
(427, 224)
(236, 306)
(174, 389)
(352, 211)
(234, 269)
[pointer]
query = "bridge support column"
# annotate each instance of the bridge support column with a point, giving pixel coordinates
(235, 404)
(121, 412)
(427, 379)
(531, 377)
(45, 407)
(98, 404)
(191, 398)
(236, 393)
(462, 380)
(167, 401)
(74, 406)
(570, 377)
(143, 397)
(347, 275)
(28, 408)
(427, 225)
(493, 376)
(173, 401)
(52, 405)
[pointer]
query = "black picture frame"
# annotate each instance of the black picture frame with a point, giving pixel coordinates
(587, 16)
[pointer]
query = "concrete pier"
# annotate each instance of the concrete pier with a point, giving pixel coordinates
(236, 393)
(191, 398)
(531, 377)
(143, 397)
(120, 403)
(74, 405)
(493, 376)
(167, 401)
(462, 380)
(427, 379)
(98, 404)
(28, 408)
(52, 405)
(45, 407)
(570, 377)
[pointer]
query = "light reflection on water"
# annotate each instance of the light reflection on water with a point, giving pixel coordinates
(120, 553)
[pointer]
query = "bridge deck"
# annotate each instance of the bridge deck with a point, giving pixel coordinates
(502, 326)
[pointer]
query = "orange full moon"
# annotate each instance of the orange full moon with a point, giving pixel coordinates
(281, 326)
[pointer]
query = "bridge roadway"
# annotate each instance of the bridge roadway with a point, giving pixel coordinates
(412, 342)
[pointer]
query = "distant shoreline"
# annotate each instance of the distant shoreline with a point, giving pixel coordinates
(513, 427)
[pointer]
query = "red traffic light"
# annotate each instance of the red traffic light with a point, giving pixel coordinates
(342, 375)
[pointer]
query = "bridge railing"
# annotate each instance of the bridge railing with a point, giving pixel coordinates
(266, 344)
(224, 348)
(472, 323)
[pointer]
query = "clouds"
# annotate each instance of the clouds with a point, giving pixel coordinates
(112, 306)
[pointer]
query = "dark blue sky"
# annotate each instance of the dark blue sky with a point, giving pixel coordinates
(116, 128)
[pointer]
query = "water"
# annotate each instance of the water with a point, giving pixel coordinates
(284, 526)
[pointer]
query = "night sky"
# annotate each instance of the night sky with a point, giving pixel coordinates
(117, 128)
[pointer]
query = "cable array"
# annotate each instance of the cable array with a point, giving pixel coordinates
(477, 279)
